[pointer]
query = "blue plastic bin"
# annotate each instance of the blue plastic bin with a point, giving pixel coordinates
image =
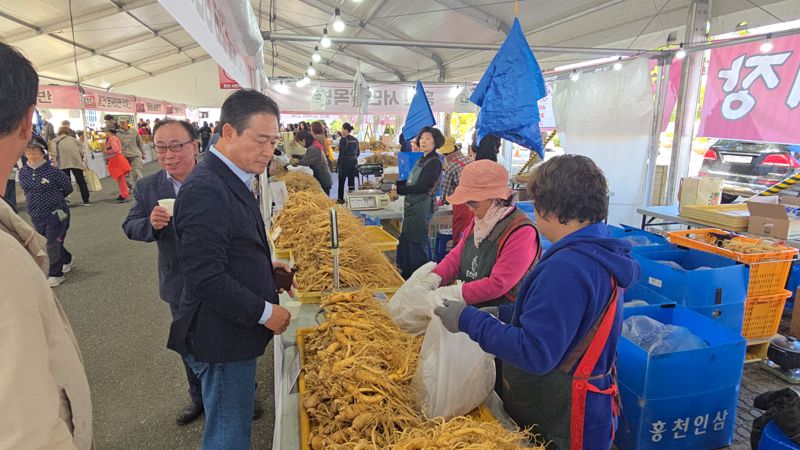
(794, 279)
(640, 240)
(729, 315)
(724, 280)
(774, 439)
(687, 385)
(440, 245)
(701, 421)
(681, 373)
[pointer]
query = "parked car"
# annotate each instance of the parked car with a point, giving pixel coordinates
(748, 168)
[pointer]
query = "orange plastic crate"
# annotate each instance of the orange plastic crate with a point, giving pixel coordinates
(762, 315)
(768, 271)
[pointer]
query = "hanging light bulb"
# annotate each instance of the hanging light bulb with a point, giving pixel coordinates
(766, 47)
(299, 83)
(574, 76)
(338, 23)
(325, 41)
(306, 80)
(618, 64)
(282, 88)
(680, 54)
(311, 70)
(315, 57)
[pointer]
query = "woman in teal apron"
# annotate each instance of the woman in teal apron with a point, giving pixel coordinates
(413, 250)
(558, 340)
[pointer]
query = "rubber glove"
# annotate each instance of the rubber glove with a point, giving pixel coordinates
(425, 278)
(450, 314)
(452, 292)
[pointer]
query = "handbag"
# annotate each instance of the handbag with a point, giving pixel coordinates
(92, 181)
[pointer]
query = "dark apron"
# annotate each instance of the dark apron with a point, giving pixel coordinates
(556, 402)
(418, 210)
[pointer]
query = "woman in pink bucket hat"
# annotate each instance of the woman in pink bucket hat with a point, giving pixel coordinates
(499, 247)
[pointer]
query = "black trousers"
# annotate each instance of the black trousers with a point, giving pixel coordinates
(78, 174)
(195, 391)
(10, 195)
(347, 172)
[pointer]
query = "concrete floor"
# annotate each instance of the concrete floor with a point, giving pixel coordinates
(111, 298)
(138, 386)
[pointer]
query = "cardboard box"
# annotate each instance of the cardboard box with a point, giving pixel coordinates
(775, 216)
(703, 191)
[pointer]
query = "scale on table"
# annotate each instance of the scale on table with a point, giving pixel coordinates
(783, 359)
(366, 200)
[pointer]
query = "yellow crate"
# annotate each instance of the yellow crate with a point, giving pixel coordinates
(482, 412)
(756, 352)
(380, 239)
(281, 253)
(316, 296)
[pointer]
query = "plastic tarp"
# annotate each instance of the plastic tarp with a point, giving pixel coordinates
(419, 114)
(607, 116)
(509, 92)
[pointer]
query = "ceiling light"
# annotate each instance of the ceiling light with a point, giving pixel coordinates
(311, 70)
(338, 24)
(306, 80)
(315, 57)
(743, 25)
(767, 46)
(618, 64)
(325, 41)
(299, 83)
(454, 91)
(574, 76)
(680, 54)
(282, 88)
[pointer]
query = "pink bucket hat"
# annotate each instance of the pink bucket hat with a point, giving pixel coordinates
(481, 180)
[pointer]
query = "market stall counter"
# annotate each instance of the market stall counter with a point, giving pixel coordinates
(287, 370)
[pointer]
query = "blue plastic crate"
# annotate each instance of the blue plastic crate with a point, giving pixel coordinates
(704, 279)
(640, 240)
(700, 421)
(681, 373)
(440, 245)
(794, 279)
(729, 315)
(641, 292)
(774, 439)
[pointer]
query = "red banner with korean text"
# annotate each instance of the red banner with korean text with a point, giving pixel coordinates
(753, 95)
(226, 81)
(108, 101)
(58, 97)
(150, 106)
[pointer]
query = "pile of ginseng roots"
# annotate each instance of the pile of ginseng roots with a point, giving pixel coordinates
(358, 370)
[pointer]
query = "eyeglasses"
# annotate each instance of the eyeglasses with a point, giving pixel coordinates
(473, 204)
(174, 148)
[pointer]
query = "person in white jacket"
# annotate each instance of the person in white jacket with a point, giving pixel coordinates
(44, 392)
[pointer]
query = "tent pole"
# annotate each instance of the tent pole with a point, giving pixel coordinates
(664, 64)
(687, 99)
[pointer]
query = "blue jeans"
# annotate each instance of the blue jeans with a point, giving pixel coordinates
(228, 394)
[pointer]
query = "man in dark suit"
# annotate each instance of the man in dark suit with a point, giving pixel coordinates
(175, 145)
(229, 311)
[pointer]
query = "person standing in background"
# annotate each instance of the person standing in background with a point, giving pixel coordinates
(48, 132)
(11, 188)
(314, 157)
(454, 162)
(230, 308)
(46, 189)
(205, 136)
(132, 150)
(175, 145)
(346, 167)
(70, 157)
(41, 360)
(117, 164)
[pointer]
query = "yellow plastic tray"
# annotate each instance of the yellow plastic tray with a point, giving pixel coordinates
(380, 239)
(316, 296)
(482, 412)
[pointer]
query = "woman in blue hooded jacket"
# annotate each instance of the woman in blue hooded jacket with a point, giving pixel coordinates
(558, 341)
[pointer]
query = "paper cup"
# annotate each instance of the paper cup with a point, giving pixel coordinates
(168, 204)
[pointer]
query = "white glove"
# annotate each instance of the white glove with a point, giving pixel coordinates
(452, 292)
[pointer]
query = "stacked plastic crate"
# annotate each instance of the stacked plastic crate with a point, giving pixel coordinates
(769, 270)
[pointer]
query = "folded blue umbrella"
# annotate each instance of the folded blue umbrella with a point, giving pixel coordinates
(508, 94)
(419, 114)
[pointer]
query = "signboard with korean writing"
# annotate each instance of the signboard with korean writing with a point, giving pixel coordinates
(547, 118)
(108, 101)
(150, 106)
(226, 81)
(176, 109)
(754, 95)
(319, 100)
(58, 97)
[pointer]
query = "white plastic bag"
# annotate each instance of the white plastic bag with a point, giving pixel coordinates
(454, 375)
(409, 306)
(301, 169)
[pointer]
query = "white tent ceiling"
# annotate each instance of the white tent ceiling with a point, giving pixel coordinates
(138, 48)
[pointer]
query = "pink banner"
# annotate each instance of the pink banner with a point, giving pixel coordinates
(108, 101)
(226, 81)
(752, 95)
(176, 109)
(673, 84)
(58, 97)
(150, 106)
